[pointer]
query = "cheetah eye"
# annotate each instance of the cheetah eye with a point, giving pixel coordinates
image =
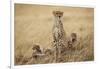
(59, 16)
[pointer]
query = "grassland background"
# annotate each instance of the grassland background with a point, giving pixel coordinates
(33, 25)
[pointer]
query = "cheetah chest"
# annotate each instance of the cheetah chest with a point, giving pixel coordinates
(57, 33)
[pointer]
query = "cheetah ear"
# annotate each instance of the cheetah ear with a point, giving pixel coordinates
(62, 13)
(54, 12)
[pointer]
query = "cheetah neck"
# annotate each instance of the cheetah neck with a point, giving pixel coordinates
(58, 22)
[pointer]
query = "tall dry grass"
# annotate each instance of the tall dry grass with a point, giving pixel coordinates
(83, 51)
